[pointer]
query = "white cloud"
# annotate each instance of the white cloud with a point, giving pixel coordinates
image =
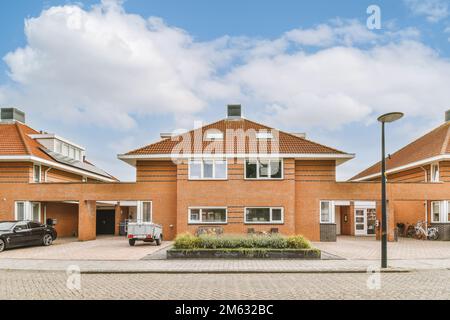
(433, 10)
(105, 66)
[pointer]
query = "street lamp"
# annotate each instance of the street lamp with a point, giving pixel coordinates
(385, 118)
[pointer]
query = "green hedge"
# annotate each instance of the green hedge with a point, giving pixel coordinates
(188, 241)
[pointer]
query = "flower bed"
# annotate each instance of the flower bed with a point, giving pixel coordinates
(188, 246)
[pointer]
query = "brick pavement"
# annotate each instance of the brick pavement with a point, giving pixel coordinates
(52, 285)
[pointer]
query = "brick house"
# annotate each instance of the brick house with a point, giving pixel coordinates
(233, 176)
(236, 175)
(29, 156)
(425, 160)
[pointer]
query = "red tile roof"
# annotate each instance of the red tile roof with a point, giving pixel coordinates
(15, 141)
(430, 145)
(287, 143)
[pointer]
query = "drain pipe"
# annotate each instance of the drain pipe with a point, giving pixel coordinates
(46, 172)
(426, 173)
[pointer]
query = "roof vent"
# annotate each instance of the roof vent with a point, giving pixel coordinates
(234, 111)
(12, 114)
(447, 116)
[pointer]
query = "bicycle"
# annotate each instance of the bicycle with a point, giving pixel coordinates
(421, 231)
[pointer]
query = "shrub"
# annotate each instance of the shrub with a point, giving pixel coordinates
(188, 241)
(298, 242)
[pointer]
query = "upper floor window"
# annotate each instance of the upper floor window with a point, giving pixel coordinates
(207, 169)
(327, 212)
(264, 215)
(264, 169)
(36, 173)
(435, 172)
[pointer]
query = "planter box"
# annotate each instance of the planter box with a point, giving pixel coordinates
(243, 254)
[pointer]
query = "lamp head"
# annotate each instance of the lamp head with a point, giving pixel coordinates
(390, 117)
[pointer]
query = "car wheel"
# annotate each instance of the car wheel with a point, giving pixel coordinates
(47, 240)
(132, 242)
(2, 245)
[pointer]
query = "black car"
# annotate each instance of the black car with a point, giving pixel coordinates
(25, 233)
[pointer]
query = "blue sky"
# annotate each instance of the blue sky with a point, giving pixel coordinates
(112, 75)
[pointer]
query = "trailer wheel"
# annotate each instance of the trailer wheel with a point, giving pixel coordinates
(132, 242)
(158, 242)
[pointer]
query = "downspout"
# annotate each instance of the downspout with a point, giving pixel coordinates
(46, 172)
(426, 174)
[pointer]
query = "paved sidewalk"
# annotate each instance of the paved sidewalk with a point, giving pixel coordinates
(104, 248)
(221, 266)
(367, 248)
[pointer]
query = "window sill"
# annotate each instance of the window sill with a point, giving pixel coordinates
(208, 179)
(264, 179)
(264, 223)
(206, 223)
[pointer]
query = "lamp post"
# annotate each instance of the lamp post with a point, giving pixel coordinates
(385, 118)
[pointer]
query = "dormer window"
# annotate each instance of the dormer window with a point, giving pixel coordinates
(264, 135)
(435, 172)
(214, 135)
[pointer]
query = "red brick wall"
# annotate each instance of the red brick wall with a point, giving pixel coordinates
(66, 215)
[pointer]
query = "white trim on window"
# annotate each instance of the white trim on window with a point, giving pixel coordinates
(271, 215)
(331, 218)
(202, 165)
(201, 208)
(439, 203)
(258, 163)
(27, 211)
(140, 211)
(434, 172)
(39, 177)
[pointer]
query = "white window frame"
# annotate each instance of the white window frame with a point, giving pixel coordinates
(332, 219)
(34, 173)
(28, 210)
(200, 215)
(258, 163)
(31, 211)
(265, 222)
(140, 211)
(440, 211)
(434, 178)
(202, 161)
(447, 211)
(24, 210)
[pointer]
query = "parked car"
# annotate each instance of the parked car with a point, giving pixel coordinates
(25, 233)
(146, 231)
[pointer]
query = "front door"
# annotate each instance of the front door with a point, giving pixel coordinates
(360, 222)
(105, 222)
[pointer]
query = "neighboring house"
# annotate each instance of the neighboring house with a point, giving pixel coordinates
(29, 156)
(425, 160)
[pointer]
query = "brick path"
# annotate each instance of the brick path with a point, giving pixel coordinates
(51, 285)
(367, 248)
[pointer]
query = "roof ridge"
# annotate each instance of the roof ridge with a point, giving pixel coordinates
(22, 138)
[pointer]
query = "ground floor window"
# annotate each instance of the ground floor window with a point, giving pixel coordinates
(144, 211)
(440, 211)
(327, 212)
(198, 215)
(26, 210)
(264, 215)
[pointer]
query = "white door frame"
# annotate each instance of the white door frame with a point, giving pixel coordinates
(361, 232)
